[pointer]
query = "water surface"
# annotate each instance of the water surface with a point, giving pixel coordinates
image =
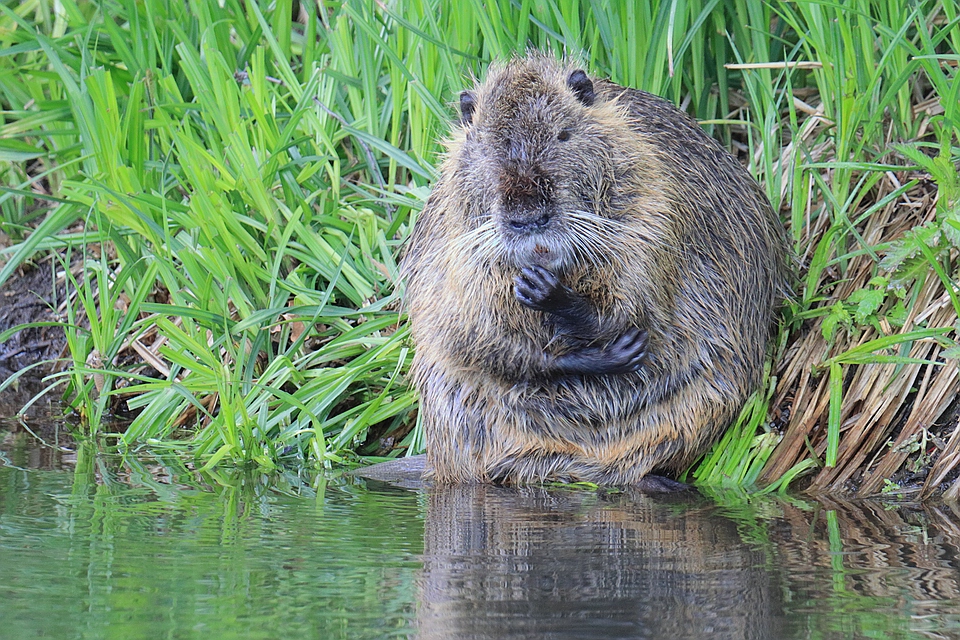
(94, 546)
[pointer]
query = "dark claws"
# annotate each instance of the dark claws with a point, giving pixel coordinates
(540, 290)
(626, 354)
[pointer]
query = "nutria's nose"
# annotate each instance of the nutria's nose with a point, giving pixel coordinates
(525, 188)
(528, 224)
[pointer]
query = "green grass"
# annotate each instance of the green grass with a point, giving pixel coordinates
(237, 182)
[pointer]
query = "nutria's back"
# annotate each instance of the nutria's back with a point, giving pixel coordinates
(591, 286)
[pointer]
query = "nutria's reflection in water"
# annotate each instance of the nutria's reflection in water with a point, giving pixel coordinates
(518, 563)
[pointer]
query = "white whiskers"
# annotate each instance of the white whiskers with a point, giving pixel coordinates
(480, 245)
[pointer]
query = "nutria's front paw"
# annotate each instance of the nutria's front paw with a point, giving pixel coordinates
(623, 355)
(539, 289)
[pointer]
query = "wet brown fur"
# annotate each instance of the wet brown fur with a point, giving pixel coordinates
(656, 225)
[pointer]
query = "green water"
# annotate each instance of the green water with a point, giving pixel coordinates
(94, 546)
(132, 557)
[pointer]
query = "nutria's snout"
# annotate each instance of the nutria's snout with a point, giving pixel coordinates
(538, 250)
(548, 257)
(523, 222)
(535, 237)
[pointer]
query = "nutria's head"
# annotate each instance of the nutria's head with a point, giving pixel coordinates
(542, 162)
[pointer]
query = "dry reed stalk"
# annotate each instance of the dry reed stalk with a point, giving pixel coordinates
(892, 412)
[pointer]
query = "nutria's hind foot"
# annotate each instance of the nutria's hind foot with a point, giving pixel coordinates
(659, 484)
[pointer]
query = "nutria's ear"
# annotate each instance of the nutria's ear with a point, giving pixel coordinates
(467, 104)
(581, 85)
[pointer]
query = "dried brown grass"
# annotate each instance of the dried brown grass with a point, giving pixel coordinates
(898, 426)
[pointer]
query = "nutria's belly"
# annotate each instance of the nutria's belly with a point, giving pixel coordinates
(604, 429)
(575, 410)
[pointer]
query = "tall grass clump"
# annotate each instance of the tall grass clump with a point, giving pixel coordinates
(870, 376)
(229, 185)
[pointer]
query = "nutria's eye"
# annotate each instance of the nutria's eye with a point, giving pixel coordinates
(564, 135)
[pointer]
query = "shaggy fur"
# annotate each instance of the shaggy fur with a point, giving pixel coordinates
(660, 239)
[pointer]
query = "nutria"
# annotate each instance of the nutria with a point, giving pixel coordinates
(591, 286)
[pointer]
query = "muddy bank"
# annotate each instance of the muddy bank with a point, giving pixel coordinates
(29, 296)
